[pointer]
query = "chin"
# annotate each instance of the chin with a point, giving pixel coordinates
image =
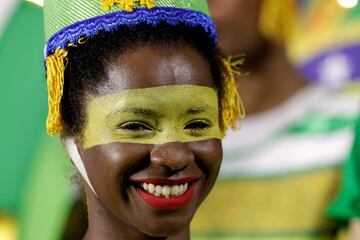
(168, 228)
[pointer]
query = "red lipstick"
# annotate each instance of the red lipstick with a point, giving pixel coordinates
(181, 193)
(167, 203)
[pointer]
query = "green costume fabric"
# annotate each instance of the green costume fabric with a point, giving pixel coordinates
(21, 100)
(34, 185)
(59, 13)
(347, 205)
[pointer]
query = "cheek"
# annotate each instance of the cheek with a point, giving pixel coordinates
(109, 164)
(209, 155)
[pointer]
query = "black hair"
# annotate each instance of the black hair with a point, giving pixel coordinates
(85, 70)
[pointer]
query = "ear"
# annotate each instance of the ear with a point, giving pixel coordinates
(72, 149)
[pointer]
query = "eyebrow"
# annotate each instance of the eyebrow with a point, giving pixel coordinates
(138, 111)
(141, 111)
(196, 110)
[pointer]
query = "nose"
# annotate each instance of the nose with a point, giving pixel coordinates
(175, 156)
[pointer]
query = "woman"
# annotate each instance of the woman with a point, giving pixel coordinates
(141, 100)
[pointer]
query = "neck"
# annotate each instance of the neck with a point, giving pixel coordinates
(272, 79)
(105, 225)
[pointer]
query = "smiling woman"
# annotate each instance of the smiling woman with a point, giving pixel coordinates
(141, 100)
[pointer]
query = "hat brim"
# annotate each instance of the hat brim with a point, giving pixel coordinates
(111, 21)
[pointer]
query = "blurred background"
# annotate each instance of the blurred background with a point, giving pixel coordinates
(35, 192)
(37, 198)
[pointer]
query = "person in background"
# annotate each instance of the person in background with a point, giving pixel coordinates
(282, 171)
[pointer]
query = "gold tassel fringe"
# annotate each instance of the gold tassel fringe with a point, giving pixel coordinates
(127, 5)
(232, 107)
(277, 19)
(55, 67)
(236, 62)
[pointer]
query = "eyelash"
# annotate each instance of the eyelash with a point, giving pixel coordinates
(198, 125)
(194, 126)
(136, 126)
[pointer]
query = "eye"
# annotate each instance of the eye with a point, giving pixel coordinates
(136, 126)
(196, 125)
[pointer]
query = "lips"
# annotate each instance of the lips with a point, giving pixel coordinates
(166, 194)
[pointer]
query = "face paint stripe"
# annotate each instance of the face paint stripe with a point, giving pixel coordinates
(177, 113)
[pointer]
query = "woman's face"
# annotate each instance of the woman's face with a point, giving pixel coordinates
(151, 143)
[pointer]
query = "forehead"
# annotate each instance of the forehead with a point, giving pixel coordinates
(152, 66)
(191, 99)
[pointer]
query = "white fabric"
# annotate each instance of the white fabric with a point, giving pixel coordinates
(7, 8)
(264, 146)
(75, 157)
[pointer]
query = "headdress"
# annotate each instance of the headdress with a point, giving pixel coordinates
(69, 22)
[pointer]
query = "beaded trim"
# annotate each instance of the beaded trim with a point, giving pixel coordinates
(111, 21)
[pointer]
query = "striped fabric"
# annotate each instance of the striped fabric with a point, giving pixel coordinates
(280, 173)
(62, 13)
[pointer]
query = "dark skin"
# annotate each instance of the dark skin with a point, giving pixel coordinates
(117, 212)
(272, 79)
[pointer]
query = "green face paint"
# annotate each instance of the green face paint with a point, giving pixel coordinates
(155, 115)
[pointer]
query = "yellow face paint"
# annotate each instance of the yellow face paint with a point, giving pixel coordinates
(157, 115)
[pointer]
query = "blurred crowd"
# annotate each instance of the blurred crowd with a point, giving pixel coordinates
(291, 172)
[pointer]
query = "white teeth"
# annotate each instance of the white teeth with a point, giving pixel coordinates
(151, 188)
(181, 189)
(158, 190)
(175, 190)
(165, 191)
